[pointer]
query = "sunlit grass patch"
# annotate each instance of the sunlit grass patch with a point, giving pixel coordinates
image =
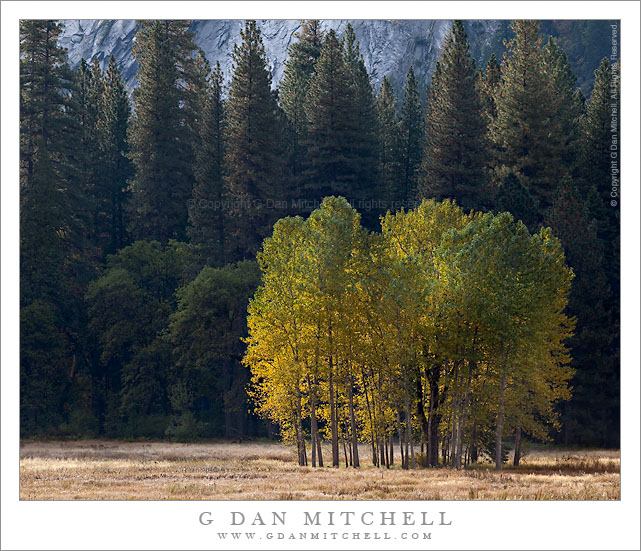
(268, 471)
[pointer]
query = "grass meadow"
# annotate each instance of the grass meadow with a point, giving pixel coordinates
(115, 470)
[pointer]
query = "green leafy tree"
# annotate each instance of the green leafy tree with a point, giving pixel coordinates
(128, 308)
(521, 283)
(207, 383)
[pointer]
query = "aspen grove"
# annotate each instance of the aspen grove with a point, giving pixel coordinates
(446, 329)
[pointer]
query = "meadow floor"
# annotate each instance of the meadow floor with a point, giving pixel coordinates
(110, 470)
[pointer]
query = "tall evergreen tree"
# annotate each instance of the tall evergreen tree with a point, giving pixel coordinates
(455, 154)
(206, 214)
(596, 383)
(567, 98)
(253, 155)
(46, 349)
(489, 82)
(44, 86)
(512, 197)
(160, 139)
(329, 171)
(117, 169)
(411, 130)
(365, 144)
(299, 69)
(390, 167)
(84, 110)
(598, 167)
(526, 131)
(597, 137)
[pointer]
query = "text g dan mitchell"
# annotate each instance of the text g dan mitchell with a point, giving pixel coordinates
(329, 518)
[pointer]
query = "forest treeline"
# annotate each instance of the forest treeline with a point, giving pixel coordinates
(141, 220)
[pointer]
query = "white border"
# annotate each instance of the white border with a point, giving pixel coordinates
(174, 525)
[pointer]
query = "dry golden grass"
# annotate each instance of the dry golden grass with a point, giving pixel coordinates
(265, 471)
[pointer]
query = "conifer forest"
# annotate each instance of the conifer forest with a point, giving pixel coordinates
(431, 271)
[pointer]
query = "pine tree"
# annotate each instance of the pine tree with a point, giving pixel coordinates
(455, 154)
(570, 104)
(45, 83)
(390, 167)
(117, 169)
(362, 118)
(299, 69)
(512, 197)
(598, 179)
(411, 129)
(253, 156)
(596, 139)
(206, 214)
(597, 372)
(45, 225)
(329, 171)
(489, 82)
(84, 110)
(160, 139)
(526, 131)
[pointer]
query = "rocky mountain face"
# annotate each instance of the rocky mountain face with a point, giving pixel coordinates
(388, 47)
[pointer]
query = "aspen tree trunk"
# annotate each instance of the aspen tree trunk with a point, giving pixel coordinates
(454, 432)
(517, 447)
(391, 448)
(499, 425)
(408, 432)
(434, 419)
(302, 452)
(314, 423)
(369, 414)
(319, 449)
(463, 420)
(400, 438)
(352, 422)
(345, 452)
(421, 409)
(332, 401)
(386, 452)
(333, 420)
(474, 450)
(444, 449)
